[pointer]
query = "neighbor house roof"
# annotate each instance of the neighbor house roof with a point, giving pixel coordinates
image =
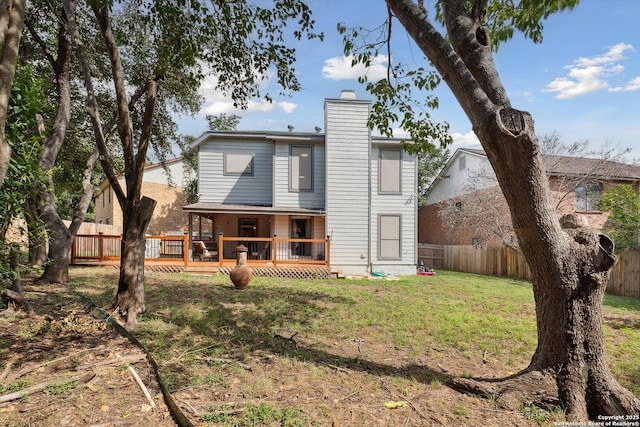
(580, 166)
(583, 166)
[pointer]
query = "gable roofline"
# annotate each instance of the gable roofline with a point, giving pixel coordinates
(104, 184)
(454, 157)
(311, 137)
(573, 166)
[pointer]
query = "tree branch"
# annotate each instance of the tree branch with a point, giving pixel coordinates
(92, 105)
(473, 99)
(125, 127)
(471, 41)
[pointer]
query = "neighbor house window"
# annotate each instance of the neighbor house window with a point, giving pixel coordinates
(390, 179)
(462, 163)
(301, 168)
(238, 164)
(588, 196)
(389, 240)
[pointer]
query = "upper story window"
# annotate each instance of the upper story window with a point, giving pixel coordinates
(390, 178)
(301, 168)
(587, 196)
(238, 164)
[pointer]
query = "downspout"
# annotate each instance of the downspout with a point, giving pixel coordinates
(369, 207)
(416, 220)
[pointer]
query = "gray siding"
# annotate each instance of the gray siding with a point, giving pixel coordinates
(215, 187)
(347, 176)
(305, 199)
(404, 204)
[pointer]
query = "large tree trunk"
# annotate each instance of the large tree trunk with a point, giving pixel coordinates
(569, 265)
(11, 21)
(37, 234)
(130, 300)
(57, 269)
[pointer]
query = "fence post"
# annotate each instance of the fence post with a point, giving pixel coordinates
(185, 248)
(101, 246)
(73, 249)
(220, 248)
(275, 250)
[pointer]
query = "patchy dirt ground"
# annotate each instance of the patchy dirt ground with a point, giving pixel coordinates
(76, 372)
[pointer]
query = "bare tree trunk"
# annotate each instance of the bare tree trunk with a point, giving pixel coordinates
(57, 269)
(11, 20)
(569, 262)
(130, 299)
(136, 210)
(37, 234)
(61, 239)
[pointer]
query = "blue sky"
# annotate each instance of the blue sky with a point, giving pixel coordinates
(582, 82)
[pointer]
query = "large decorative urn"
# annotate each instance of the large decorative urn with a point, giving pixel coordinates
(241, 274)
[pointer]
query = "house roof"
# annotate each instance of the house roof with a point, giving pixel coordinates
(583, 166)
(204, 207)
(579, 166)
(308, 137)
(253, 135)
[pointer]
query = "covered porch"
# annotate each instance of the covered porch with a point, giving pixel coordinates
(273, 236)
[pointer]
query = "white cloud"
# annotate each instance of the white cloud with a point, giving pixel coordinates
(287, 107)
(614, 54)
(588, 75)
(633, 84)
(468, 139)
(339, 68)
(216, 102)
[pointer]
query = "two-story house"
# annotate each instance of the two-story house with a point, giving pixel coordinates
(465, 206)
(345, 186)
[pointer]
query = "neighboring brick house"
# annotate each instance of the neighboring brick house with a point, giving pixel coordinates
(467, 183)
(168, 217)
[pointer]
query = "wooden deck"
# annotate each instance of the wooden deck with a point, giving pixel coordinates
(274, 257)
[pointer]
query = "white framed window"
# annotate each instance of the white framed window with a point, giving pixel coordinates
(389, 236)
(238, 163)
(462, 163)
(587, 196)
(390, 175)
(301, 168)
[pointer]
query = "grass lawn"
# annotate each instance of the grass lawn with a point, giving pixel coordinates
(336, 352)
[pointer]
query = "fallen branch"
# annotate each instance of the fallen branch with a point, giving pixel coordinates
(338, 368)
(140, 383)
(132, 358)
(6, 371)
(291, 338)
(14, 297)
(49, 362)
(39, 387)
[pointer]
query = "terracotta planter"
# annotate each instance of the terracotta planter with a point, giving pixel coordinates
(241, 275)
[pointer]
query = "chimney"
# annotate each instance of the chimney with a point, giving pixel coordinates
(347, 94)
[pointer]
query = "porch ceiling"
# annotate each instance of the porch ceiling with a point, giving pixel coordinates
(205, 208)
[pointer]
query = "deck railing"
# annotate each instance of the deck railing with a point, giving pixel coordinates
(176, 250)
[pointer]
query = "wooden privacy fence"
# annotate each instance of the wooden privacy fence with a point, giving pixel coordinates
(508, 262)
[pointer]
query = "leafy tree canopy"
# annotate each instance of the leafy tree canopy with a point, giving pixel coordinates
(623, 204)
